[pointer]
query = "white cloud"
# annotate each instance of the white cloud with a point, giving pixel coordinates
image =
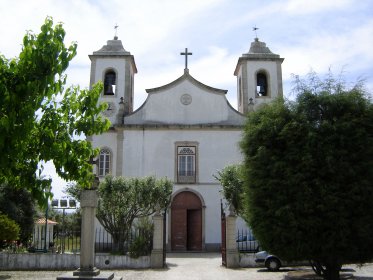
(321, 51)
(308, 7)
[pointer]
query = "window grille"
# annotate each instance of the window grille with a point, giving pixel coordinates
(186, 165)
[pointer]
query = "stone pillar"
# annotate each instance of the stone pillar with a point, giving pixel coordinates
(157, 252)
(88, 204)
(231, 246)
(87, 269)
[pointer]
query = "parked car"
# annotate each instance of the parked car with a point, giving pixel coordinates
(271, 262)
(247, 243)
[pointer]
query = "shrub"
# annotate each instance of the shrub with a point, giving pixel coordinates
(143, 243)
(9, 230)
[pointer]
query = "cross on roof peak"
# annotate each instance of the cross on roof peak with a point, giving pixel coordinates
(186, 53)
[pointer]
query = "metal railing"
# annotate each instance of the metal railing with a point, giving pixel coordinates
(246, 241)
(60, 241)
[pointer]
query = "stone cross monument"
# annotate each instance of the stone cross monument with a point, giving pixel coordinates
(87, 269)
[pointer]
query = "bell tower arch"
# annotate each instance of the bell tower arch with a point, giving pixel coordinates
(115, 67)
(259, 77)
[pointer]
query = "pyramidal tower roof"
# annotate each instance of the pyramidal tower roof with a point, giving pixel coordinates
(258, 51)
(112, 47)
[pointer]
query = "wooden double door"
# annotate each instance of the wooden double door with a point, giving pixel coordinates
(186, 222)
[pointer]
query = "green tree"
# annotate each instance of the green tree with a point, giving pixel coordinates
(231, 179)
(35, 126)
(122, 200)
(308, 175)
(70, 222)
(73, 190)
(19, 206)
(9, 230)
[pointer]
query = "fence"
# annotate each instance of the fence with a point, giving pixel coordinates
(246, 241)
(60, 241)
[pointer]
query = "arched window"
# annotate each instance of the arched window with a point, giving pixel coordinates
(261, 84)
(110, 82)
(104, 162)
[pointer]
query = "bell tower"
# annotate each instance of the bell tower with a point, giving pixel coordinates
(259, 77)
(115, 67)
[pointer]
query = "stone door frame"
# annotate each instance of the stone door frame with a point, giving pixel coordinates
(169, 220)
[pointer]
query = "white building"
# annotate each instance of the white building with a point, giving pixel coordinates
(185, 131)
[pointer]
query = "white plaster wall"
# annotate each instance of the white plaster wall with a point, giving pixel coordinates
(206, 107)
(118, 64)
(152, 152)
(26, 261)
(271, 68)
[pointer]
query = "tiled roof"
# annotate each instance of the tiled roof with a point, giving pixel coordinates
(42, 222)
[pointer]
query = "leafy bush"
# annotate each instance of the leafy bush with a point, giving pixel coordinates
(143, 243)
(9, 230)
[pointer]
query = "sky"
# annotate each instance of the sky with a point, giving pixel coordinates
(313, 35)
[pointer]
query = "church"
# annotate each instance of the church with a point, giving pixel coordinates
(185, 130)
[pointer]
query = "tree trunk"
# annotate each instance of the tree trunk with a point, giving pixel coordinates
(117, 243)
(332, 272)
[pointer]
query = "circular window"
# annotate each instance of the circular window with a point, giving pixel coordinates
(186, 99)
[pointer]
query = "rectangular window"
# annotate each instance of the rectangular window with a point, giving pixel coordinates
(186, 164)
(104, 163)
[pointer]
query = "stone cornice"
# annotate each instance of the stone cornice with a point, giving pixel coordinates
(179, 126)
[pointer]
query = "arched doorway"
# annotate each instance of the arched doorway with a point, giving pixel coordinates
(186, 222)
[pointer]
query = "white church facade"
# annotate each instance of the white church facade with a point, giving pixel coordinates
(185, 130)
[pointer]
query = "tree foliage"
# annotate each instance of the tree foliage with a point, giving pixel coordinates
(35, 125)
(122, 200)
(230, 177)
(9, 230)
(19, 206)
(308, 175)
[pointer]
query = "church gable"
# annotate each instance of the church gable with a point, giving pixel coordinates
(185, 101)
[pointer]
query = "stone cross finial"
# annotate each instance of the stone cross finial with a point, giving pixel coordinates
(255, 29)
(116, 31)
(186, 53)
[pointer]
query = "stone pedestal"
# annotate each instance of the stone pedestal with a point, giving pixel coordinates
(157, 252)
(231, 246)
(101, 276)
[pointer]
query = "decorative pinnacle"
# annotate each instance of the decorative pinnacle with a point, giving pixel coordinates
(116, 31)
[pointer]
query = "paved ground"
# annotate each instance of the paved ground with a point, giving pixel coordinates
(189, 267)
